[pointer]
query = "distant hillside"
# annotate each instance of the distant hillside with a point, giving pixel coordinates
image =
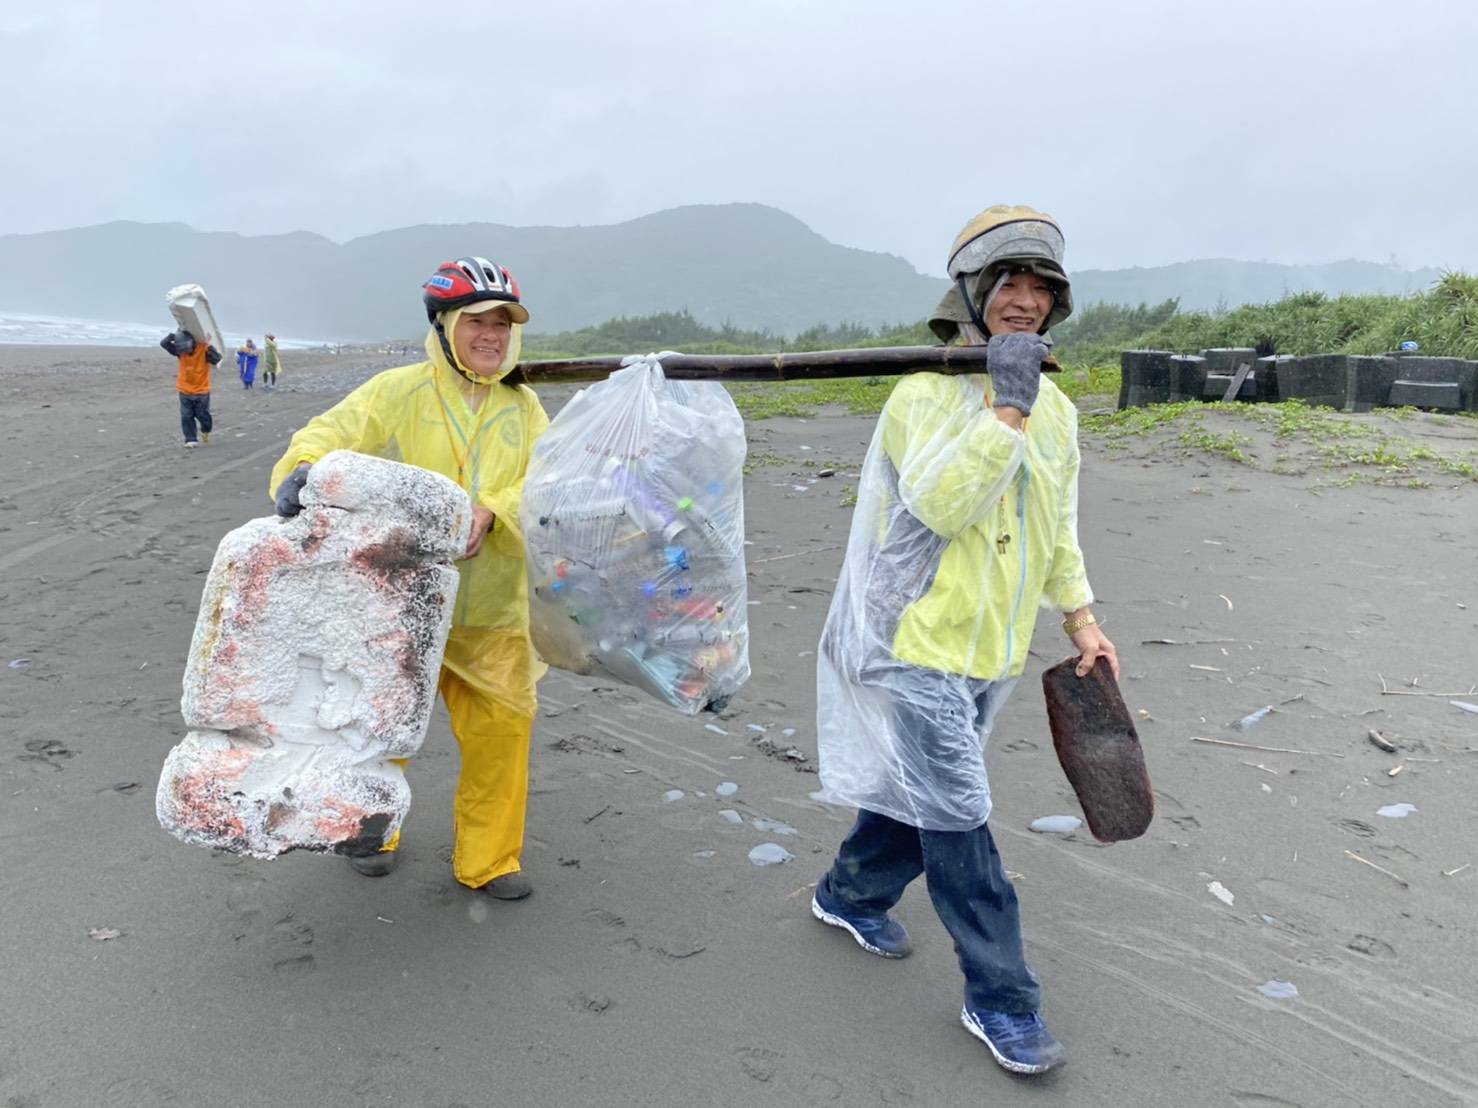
(747, 265)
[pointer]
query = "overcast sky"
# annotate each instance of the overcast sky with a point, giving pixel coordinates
(1295, 130)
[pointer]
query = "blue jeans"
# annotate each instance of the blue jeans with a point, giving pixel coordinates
(193, 410)
(970, 891)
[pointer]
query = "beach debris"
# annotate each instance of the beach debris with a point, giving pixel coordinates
(1055, 825)
(1455, 872)
(770, 854)
(19, 663)
(597, 815)
(715, 728)
(1205, 669)
(1396, 877)
(1278, 990)
(1227, 598)
(757, 728)
(1253, 718)
(672, 794)
(1266, 787)
(1381, 741)
(728, 815)
(1183, 642)
(1465, 706)
(1396, 811)
(103, 934)
(772, 826)
(1221, 892)
(1394, 770)
(1413, 690)
(789, 732)
(1268, 749)
(1259, 765)
(382, 919)
(726, 788)
(313, 667)
(704, 853)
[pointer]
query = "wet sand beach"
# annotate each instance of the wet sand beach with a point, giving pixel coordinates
(655, 964)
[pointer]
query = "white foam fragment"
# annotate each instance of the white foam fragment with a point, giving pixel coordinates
(315, 660)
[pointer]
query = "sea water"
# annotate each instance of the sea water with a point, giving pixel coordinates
(25, 328)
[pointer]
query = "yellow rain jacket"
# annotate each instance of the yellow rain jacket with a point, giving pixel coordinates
(1006, 504)
(420, 414)
(963, 526)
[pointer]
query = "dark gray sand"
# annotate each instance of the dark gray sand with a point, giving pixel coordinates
(655, 965)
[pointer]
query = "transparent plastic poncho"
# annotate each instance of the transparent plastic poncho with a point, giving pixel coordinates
(962, 526)
(633, 522)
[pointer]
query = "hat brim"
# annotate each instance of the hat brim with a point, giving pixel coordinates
(516, 311)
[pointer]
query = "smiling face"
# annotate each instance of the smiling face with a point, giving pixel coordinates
(481, 341)
(1022, 304)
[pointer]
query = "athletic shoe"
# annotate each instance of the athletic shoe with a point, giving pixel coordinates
(511, 886)
(374, 865)
(191, 444)
(1019, 1041)
(878, 935)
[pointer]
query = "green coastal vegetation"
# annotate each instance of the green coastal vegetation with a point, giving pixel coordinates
(1288, 438)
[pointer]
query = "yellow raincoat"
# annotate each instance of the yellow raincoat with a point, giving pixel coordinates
(420, 414)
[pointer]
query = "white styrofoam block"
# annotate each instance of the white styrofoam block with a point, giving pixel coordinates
(221, 792)
(315, 658)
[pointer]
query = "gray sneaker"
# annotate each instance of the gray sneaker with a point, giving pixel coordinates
(511, 886)
(374, 865)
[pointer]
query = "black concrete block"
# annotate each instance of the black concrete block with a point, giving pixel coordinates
(1445, 396)
(1226, 359)
(1457, 371)
(1266, 372)
(1187, 377)
(1370, 381)
(1320, 379)
(1144, 378)
(1217, 384)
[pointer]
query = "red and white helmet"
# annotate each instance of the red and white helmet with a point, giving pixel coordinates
(472, 280)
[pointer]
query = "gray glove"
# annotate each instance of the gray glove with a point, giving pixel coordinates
(288, 503)
(1014, 362)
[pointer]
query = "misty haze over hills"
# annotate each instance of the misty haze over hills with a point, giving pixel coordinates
(747, 264)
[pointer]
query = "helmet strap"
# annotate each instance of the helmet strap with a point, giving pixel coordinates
(975, 316)
(451, 357)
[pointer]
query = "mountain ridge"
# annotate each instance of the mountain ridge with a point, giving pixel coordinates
(748, 264)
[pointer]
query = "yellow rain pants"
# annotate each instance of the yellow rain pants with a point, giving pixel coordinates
(421, 414)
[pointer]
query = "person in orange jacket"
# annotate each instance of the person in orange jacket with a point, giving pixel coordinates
(192, 382)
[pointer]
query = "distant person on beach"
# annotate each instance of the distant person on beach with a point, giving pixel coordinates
(966, 522)
(271, 365)
(457, 414)
(192, 382)
(246, 363)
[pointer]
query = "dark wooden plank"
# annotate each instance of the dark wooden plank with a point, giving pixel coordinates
(882, 361)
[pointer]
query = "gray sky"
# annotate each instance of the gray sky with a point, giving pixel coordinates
(1297, 130)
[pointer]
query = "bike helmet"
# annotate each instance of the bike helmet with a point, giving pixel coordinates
(469, 281)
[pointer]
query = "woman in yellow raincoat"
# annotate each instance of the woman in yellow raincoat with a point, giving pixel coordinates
(966, 521)
(456, 414)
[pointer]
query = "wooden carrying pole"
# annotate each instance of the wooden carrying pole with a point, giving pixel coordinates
(881, 361)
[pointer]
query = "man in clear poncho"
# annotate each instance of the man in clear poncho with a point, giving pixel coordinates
(455, 414)
(966, 521)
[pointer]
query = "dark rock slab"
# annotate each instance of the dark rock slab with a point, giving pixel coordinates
(1099, 750)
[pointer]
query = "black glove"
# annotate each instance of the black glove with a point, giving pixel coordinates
(288, 503)
(1014, 362)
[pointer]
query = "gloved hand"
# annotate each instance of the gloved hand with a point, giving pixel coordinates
(1014, 362)
(288, 503)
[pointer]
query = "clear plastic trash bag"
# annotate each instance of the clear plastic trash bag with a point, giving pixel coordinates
(633, 522)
